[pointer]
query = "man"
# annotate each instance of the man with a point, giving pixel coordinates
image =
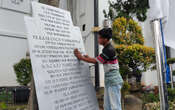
(113, 79)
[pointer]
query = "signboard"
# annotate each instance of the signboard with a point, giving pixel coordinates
(17, 5)
(62, 82)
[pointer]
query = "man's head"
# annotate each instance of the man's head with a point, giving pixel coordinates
(104, 36)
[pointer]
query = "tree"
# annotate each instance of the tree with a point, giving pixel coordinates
(23, 71)
(128, 9)
(133, 56)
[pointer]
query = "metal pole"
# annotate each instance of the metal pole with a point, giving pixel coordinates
(160, 65)
(164, 64)
(171, 75)
(96, 47)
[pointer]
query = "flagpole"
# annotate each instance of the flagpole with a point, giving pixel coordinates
(165, 65)
(160, 63)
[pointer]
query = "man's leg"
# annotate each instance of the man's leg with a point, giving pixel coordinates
(106, 99)
(115, 97)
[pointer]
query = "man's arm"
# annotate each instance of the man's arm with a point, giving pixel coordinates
(85, 58)
(88, 59)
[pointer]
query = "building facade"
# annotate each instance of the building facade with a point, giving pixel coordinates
(13, 39)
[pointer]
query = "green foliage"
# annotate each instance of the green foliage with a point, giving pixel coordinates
(135, 59)
(127, 32)
(23, 71)
(128, 9)
(125, 88)
(150, 98)
(171, 105)
(152, 101)
(174, 73)
(156, 106)
(171, 94)
(6, 96)
(133, 56)
(171, 61)
(3, 106)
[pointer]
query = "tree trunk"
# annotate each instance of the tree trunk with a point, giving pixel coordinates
(54, 3)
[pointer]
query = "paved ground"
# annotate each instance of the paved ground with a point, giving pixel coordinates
(133, 103)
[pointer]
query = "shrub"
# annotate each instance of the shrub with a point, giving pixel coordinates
(171, 94)
(23, 71)
(134, 59)
(127, 32)
(174, 73)
(133, 56)
(150, 98)
(171, 61)
(3, 106)
(156, 106)
(6, 96)
(125, 88)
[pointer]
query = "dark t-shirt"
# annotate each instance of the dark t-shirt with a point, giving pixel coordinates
(110, 63)
(108, 58)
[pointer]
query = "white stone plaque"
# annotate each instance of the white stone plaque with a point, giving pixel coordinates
(62, 82)
(17, 5)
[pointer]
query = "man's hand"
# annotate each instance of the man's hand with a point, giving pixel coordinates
(85, 58)
(78, 54)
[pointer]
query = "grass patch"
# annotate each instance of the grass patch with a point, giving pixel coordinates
(3, 106)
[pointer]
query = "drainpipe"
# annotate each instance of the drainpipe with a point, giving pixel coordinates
(96, 46)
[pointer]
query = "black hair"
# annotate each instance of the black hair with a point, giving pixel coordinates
(106, 33)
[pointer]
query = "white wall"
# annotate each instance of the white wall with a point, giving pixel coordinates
(147, 33)
(11, 23)
(12, 51)
(63, 4)
(13, 43)
(85, 16)
(172, 53)
(149, 77)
